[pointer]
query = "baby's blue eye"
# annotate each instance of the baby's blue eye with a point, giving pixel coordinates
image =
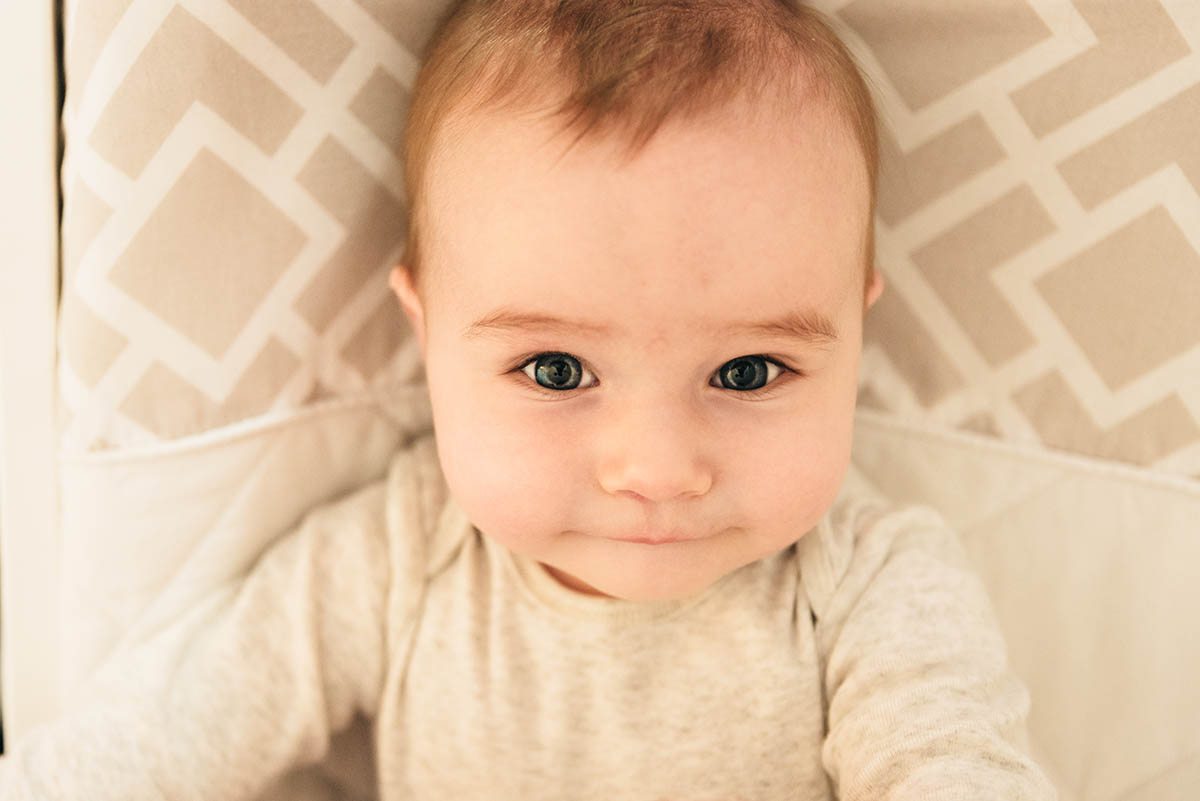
(555, 371)
(747, 373)
(562, 372)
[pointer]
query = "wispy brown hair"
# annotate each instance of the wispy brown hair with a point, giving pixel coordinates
(626, 67)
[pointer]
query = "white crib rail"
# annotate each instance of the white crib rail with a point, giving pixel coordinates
(29, 531)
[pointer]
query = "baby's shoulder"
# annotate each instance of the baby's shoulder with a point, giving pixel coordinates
(421, 511)
(404, 506)
(415, 487)
(862, 531)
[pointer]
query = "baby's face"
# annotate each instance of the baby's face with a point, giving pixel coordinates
(643, 375)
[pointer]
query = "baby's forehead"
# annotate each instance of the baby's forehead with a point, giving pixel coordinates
(745, 144)
(732, 197)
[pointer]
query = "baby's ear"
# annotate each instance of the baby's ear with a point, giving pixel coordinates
(400, 280)
(874, 289)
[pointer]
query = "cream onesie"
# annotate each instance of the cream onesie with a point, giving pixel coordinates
(863, 662)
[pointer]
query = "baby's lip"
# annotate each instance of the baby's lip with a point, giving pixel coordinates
(655, 538)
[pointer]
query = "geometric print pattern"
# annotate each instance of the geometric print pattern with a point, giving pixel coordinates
(232, 203)
(233, 200)
(1039, 220)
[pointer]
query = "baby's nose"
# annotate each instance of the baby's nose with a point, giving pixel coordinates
(655, 455)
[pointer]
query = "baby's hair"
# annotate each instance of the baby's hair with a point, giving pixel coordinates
(627, 66)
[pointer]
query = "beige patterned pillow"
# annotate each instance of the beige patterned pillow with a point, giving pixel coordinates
(1039, 220)
(233, 201)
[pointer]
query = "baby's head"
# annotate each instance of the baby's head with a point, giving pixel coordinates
(639, 255)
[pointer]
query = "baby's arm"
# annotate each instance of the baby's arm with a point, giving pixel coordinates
(251, 682)
(922, 704)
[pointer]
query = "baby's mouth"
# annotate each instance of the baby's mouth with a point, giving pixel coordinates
(654, 538)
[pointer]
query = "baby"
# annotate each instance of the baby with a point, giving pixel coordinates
(629, 563)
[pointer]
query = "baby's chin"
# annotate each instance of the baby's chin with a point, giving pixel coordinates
(626, 586)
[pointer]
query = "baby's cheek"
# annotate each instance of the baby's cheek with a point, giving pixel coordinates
(502, 480)
(806, 469)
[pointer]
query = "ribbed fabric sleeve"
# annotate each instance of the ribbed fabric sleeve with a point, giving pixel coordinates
(921, 701)
(250, 683)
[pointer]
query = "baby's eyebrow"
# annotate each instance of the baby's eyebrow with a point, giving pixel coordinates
(505, 321)
(806, 326)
